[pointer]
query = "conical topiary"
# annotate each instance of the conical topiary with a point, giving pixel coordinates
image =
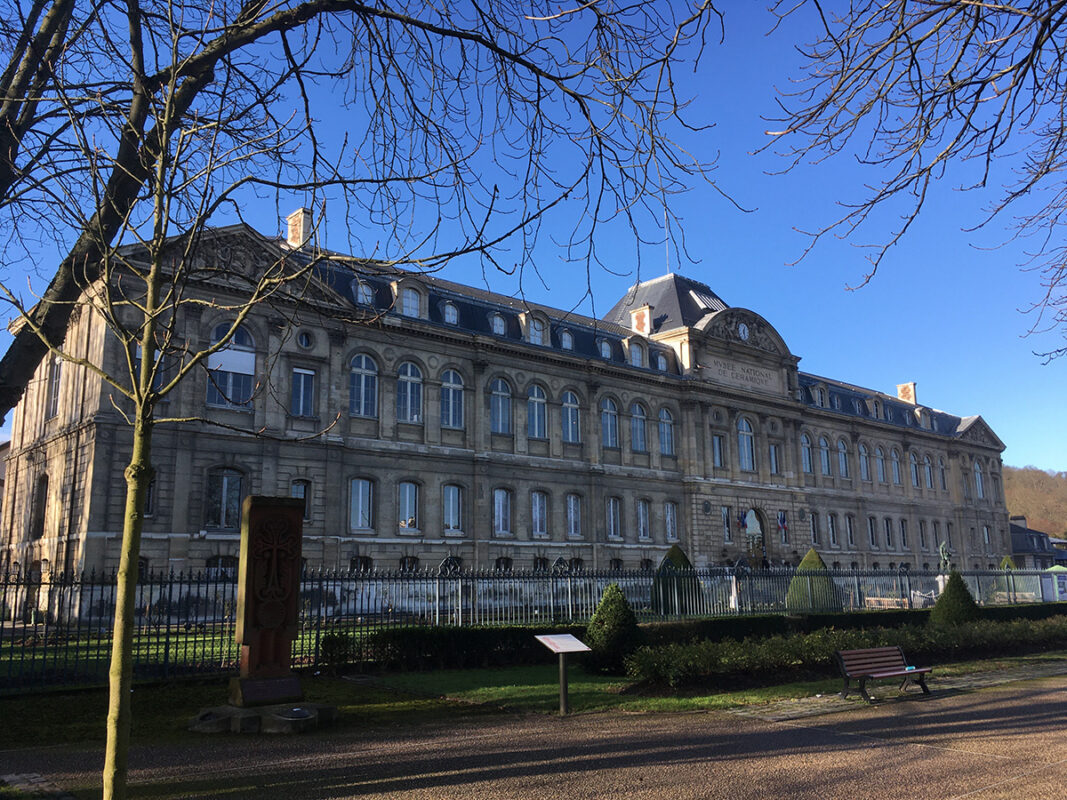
(812, 589)
(612, 633)
(1007, 563)
(674, 587)
(955, 605)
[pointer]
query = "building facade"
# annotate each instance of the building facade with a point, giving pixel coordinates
(422, 419)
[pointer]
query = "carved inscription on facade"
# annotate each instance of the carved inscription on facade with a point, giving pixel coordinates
(721, 370)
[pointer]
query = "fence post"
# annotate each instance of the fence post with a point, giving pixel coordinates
(905, 587)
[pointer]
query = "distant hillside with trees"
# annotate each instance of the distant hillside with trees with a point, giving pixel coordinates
(1039, 495)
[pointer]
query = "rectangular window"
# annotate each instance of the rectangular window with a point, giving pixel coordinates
(948, 533)
(539, 515)
(985, 534)
(718, 457)
(574, 515)
(727, 530)
(904, 534)
(783, 527)
(614, 518)
(850, 530)
(831, 527)
(922, 534)
(501, 512)
(408, 505)
(773, 459)
(303, 393)
(670, 521)
(872, 534)
(937, 534)
(55, 370)
(452, 507)
(360, 504)
(814, 520)
(643, 529)
(887, 524)
(302, 489)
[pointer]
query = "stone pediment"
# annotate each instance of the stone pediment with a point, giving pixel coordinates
(743, 327)
(976, 431)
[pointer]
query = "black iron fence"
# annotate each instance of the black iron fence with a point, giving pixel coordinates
(56, 629)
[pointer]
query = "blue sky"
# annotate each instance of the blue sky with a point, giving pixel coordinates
(943, 311)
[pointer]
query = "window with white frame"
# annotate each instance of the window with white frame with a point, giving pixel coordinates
(566, 340)
(361, 504)
(928, 471)
(666, 432)
(574, 516)
(865, 462)
(914, 461)
(409, 393)
(451, 400)
(979, 481)
(772, 459)
(718, 457)
(363, 387)
(637, 355)
(224, 495)
(501, 512)
(831, 528)
(638, 428)
(499, 406)
(411, 302)
(842, 458)
(498, 324)
(727, 528)
(824, 456)
(613, 517)
(407, 505)
(451, 314)
(605, 349)
(746, 449)
(536, 413)
(452, 507)
(365, 294)
(670, 521)
(570, 416)
(537, 331)
(644, 529)
(55, 371)
(661, 362)
(879, 462)
(609, 423)
(303, 395)
(894, 458)
(806, 463)
(231, 369)
(539, 514)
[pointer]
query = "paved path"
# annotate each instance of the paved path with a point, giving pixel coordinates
(1008, 740)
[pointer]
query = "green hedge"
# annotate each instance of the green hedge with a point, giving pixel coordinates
(427, 648)
(777, 658)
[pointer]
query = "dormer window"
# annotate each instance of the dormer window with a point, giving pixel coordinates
(365, 294)
(451, 314)
(637, 355)
(498, 325)
(605, 348)
(537, 332)
(566, 340)
(410, 302)
(661, 362)
(820, 397)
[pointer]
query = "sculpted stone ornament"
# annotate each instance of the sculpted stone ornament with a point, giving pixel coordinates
(268, 600)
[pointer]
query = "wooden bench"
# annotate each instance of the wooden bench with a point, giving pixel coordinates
(874, 663)
(885, 602)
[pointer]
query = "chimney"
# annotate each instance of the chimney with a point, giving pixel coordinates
(906, 392)
(641, 320)
(298, 228)
(1018, 519)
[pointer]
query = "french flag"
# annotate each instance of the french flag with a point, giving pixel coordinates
(782, 524)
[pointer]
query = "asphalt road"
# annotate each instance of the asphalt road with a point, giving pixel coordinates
(1007, 741)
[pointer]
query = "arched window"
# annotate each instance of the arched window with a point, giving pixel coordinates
(225, 491)
(842, 458)
(498, 325)
(361, 564)
(661, 362)
(894, 458)
(605, 349)
(566, 340)
(979, 482)
(570, 417)
(536, 413)
(231, 369)
(451, 314)
(746, 449)
(363, 387)
(451, 400)
(914, 461)
(609, 423)
(409, 393)
(928, 468)
(409, 564)
(615, 565)
(638, 425)
(411, 302)
(365, 294)
(824, 456)
(576, 565)
(502, 564)
(666, 432)
(499, 406)
(537, 331)
(805, 454)
(879, 460)
(637, 355)
(865, 463)
(540, 564)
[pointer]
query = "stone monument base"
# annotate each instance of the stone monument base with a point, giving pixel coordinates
(282, 718)
(249, 692)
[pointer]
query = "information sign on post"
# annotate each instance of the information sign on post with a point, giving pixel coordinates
(563, 643)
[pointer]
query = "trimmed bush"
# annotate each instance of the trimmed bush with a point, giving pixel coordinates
(955, 605)
(812, 588)
(1007, 563)
(674, 585)
(612, 633)
(426, 648)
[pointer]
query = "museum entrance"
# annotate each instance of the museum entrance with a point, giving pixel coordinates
(756, 539)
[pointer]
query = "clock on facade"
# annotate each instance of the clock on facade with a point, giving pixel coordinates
(742, 331)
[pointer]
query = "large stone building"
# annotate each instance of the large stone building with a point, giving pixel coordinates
(422, 419)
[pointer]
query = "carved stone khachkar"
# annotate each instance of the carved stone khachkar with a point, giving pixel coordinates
(268, 600)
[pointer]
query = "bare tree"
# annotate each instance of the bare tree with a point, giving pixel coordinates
(127, 129)
(923, 90)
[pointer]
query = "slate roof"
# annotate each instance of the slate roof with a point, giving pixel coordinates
(676, 301)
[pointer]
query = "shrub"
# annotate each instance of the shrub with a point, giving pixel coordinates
(955, 605)
(1007, 563)
(335, 650)
(612, 633)
(812, 588)
(674, 585)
